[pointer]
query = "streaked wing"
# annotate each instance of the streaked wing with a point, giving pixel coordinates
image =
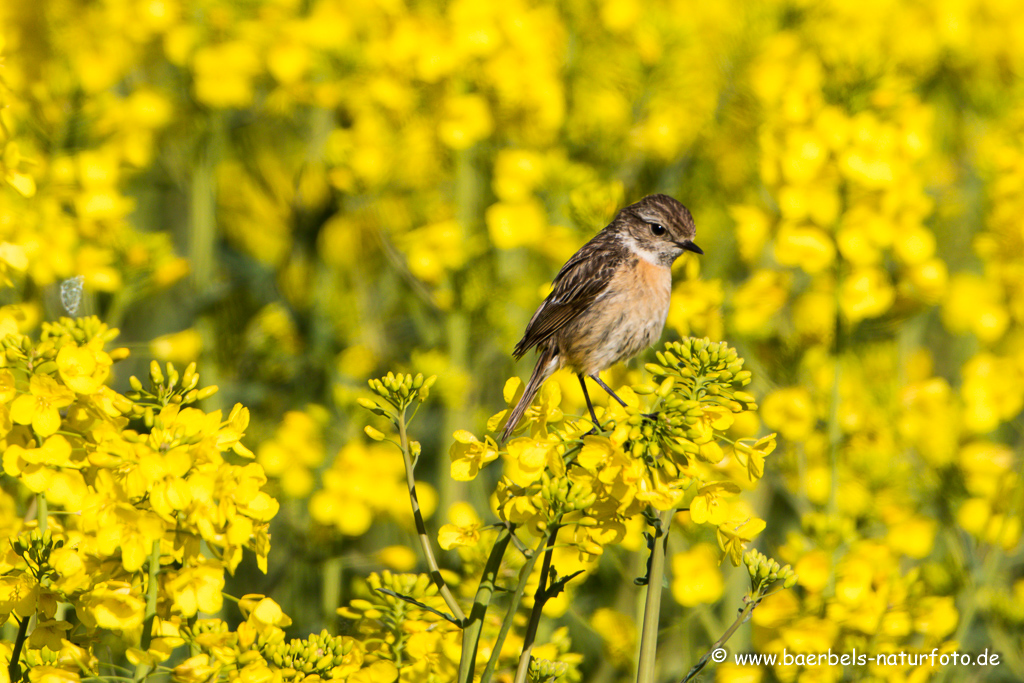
(578, 284)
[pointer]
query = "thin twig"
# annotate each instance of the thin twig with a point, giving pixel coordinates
(413, 601)
(484, 592)
(14, 668)
(143, 669)
(744, 615)
(517, 595)
(539, 598)
(421, 527)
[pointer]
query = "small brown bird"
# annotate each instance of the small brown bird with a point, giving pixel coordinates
(610, 301)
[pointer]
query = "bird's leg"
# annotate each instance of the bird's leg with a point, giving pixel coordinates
(593, 415)
(606, 388)
(650, 416)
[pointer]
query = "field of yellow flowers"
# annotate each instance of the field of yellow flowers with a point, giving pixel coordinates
(263, 263)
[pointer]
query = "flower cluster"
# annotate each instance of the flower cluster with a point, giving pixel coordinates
(594, 484)
(138, 503)
(257, 651)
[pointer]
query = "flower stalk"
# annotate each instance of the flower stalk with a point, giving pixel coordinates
(652, 604)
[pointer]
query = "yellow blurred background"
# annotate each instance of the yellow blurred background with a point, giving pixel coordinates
(303, 194)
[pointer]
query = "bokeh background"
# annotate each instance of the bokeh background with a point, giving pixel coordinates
(304, 194)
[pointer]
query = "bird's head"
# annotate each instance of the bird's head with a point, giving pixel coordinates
(660, 228)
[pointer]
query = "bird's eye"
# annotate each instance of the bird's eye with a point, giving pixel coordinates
(657, 229)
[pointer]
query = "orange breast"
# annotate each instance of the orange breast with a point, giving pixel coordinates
(653, 278)
(623, 322)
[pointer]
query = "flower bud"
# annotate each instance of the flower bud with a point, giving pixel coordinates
(155, 374)
(206, 392)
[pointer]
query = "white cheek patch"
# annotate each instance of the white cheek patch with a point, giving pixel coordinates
(634, 247)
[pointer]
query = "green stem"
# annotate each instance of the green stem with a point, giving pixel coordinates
(421, 527)
(985, 576)
(835, 432)
(143, 669)
(484, 592)
(42, 513)
(540, 597)
(517, 595)
(652, 606)
(14, 668)
(743, 616)
(202, 239)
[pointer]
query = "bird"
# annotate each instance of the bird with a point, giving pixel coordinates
(609, 301)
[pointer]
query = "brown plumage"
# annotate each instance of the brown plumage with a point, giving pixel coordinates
(610, 300)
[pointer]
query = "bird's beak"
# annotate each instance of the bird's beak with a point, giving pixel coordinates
(690, 246)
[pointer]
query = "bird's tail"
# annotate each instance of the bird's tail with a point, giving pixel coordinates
(546, 366)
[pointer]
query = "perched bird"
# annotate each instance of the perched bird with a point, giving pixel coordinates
(610, 300)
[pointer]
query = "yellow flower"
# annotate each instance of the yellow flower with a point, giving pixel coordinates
(697, 578)
(791, 411)
(232, 431)
(450, 536)
(806, 247)
(296, 447)
(866, 293)
(41, 406)
(734, 535)
(658, 490)
(8, 390)
(754, 454)
(516, 173)
(618, 634)
(49, 633)
(198, 589)
(528, 458)
(468, 454)
(263, 611)
(398, 557)
(713, 418)
(36, 467)
(84, 369)
(196, 669)
(992, 391)
(516, 225)
(814, 315)
(522, 507)
(813, 570)
(975, 304)
(465, 529)
(224, 74)
(914, 537)
(364, 483)
(605, 457)
(466, 120)
(757, 302)
(753, 227)
(706, 508)
(381, 671)
(52, 674)
(18, 594)
(177, 347)
(113, 605)
(936, 616)
(434, 250)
